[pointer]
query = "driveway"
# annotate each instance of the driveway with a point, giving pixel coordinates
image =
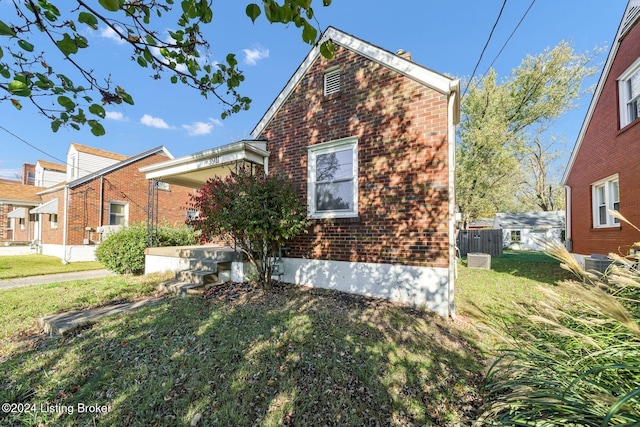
(53, 278)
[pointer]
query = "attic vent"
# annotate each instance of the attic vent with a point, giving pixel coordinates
(629, 19)
(332, 81)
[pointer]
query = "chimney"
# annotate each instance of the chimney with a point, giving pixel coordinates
(28, 174)
(404, 54)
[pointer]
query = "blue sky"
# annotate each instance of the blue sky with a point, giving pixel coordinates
(447, 37)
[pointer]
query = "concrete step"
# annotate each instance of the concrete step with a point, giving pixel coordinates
(203, 265)
(60, 324)
(197, 277)
(182, 289)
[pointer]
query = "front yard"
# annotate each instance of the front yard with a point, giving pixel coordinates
(33, 265)
(240, 356)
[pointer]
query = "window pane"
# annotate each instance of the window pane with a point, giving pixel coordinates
(615, 192)
(117, 209)
(600, 195)
(334, 166)
(602, 215)
(334, 196)
(634, 85)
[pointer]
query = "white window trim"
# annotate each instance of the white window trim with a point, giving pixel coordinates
(606, 183)
(624, 96)
(54, 224)
(330, 147)
(126, 211)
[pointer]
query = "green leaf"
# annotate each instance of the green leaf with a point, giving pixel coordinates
(174, 79)
(67, 45)
(231, 60)
(97, 110)
(96, 128)
(147, 55)
(141, 61)
(309, 34)
(19, 88)
(5, 30)
(253, 11)
(110, 5)
(88, 19)
(16, 104)
(1, 52)
(66, 102)
(55, 125)
(25, 45)
(327, 49)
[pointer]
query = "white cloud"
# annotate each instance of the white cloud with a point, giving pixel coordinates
(108, 33)
(13, 174)
(252, 56)
(154, 122)
(202, 128)
(115, 115)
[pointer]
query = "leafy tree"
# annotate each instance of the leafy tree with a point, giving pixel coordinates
(500, 119)
(43, 35)
(255, 213)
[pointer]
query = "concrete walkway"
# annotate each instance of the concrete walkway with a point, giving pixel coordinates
(53, 278)
(60, 324)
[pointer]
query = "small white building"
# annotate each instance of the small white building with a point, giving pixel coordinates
(529, 230)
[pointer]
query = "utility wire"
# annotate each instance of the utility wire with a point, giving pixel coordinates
(495, 24)
(508, 39)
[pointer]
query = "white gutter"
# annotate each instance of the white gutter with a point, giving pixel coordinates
(453, 118)
(567, 220)
(64, 227)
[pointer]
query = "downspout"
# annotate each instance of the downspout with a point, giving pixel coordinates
(568, 242)
(101, 201)
(64, 227)
(452, 119)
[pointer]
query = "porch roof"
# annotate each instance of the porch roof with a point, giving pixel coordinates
(51, 207)
(18, 213)
(194, 170)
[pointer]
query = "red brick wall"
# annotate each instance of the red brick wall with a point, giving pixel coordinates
(126, 185)
(606, 150)
(5, 233)
(26, 234)
(401, 128)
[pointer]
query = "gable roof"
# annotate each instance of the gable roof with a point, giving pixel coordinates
(126, 162)
(97, 152)
(629, 19)
(19, 193)
(52, 166)
(539, 219)
(406, 67)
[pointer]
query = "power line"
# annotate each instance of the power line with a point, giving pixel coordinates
(33, 146)
(508, 39)
(495, 24)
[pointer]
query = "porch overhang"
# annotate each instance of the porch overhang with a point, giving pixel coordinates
(18, 213)
(51, 207)
(194, 170)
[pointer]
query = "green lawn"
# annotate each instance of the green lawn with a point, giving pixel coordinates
(241, 356)
(514, 278)
(34, 265)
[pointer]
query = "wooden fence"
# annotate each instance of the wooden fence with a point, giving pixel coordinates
(483, 241)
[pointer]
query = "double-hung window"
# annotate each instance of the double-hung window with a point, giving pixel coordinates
(605, 196)
(118, 212)
(333, 179)
(629, 94)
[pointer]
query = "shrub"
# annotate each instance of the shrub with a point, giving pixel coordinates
(255, 213)
(123, 251)
(576, 359)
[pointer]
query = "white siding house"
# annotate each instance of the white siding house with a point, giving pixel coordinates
(530, 230)
(83, 160)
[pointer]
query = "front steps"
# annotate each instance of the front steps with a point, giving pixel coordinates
(202, 274)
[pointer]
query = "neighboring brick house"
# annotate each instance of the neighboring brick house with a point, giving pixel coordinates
(16, 199)
(602, 173)
(103, 190)
(368, 139)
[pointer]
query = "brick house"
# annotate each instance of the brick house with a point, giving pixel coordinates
(16, 199)
(367, 138)
(102, 191)
(602, 171)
